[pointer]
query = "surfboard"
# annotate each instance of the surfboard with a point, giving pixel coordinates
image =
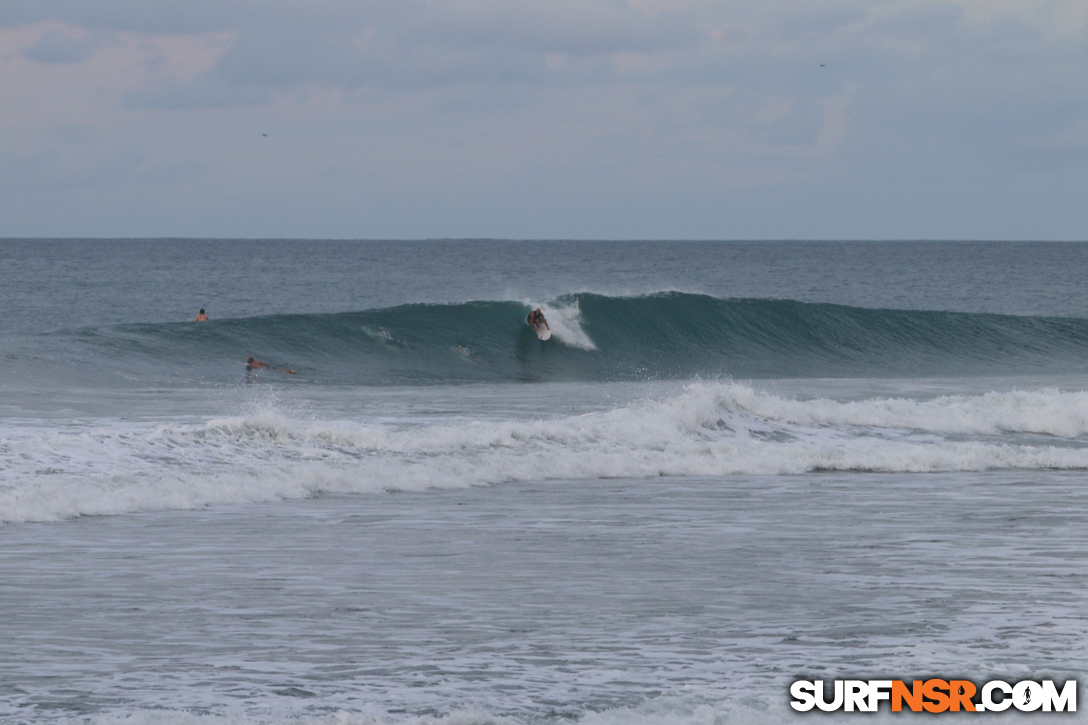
(544, 333)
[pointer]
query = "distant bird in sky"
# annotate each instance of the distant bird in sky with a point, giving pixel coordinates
(265, 135)
(822, 65)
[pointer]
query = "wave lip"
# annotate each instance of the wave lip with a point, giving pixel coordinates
(711, 430)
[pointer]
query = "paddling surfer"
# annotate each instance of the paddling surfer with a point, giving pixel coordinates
(252, 364)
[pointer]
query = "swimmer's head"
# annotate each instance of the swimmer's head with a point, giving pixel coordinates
(202, 310)
(249, 360)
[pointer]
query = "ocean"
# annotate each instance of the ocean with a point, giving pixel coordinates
(734, 465)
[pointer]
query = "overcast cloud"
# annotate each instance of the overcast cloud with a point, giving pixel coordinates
(531, 119)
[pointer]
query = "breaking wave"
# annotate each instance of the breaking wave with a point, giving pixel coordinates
(596, 338)
(710, 430)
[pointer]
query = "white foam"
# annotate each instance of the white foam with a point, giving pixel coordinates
(1050, 412)
(112, 466)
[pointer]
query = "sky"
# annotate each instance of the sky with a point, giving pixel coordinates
(545, 119)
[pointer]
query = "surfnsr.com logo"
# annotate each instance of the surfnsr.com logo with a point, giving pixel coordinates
(934, 696)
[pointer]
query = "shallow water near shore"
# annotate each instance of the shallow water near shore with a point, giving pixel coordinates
(547, 599)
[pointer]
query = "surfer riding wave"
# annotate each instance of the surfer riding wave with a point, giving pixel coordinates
(537, 322)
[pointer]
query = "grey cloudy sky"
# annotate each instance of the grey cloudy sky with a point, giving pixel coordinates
(721, 119)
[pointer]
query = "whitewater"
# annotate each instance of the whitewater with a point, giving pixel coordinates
(734, 465)
(94, 467)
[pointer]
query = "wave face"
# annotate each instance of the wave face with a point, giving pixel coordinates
(596, 338)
